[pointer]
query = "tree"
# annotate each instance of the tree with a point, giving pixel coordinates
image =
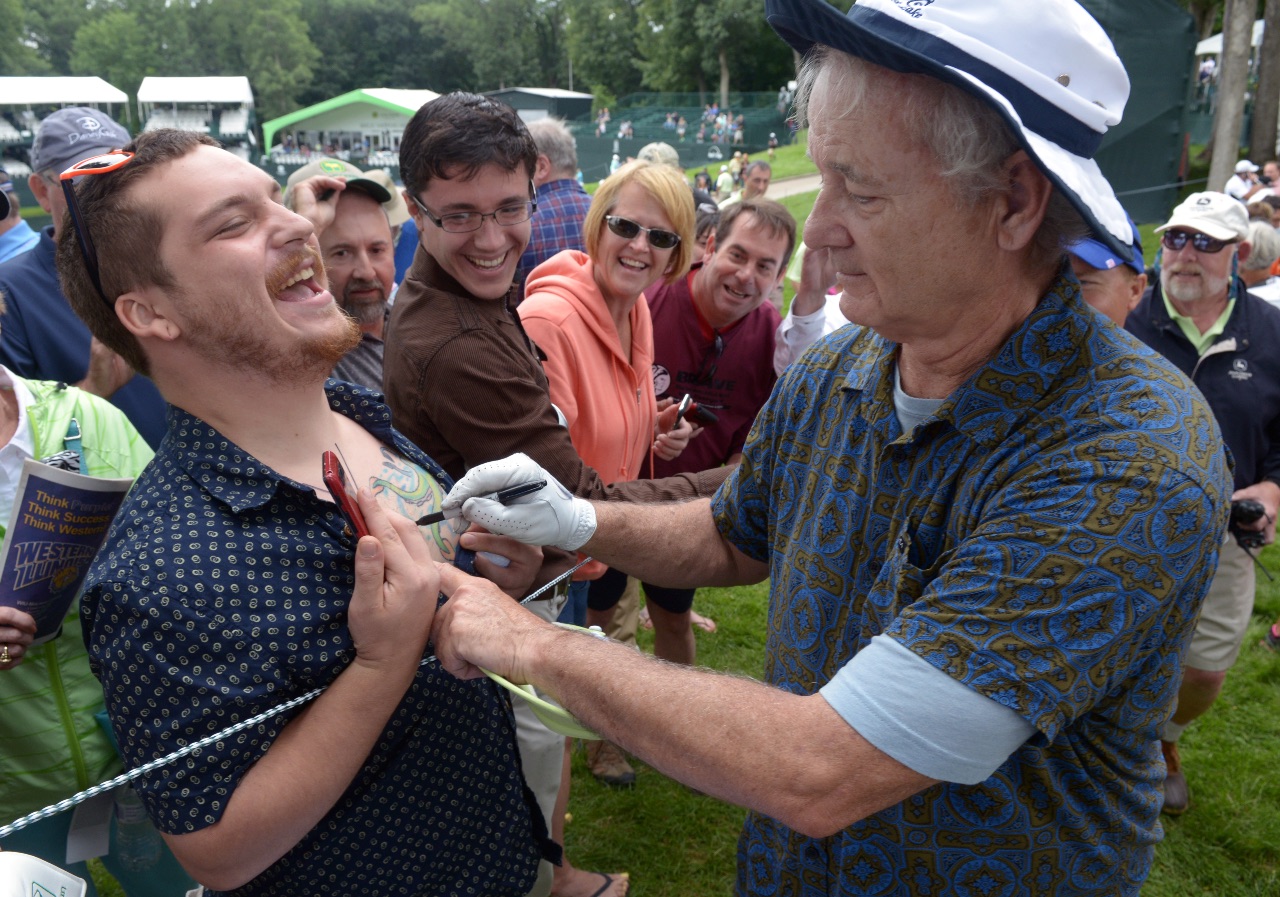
(490, 44)
(722, 26)
(1266, 100)
(1233, 70)
(116, 48)
(600, 41)
(17, 55)
(279, 57)
(669, 58)
(52, 26)
(388, 55)
(267, 41)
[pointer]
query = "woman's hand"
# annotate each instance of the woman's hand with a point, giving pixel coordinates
(672, 436)
(17, 630)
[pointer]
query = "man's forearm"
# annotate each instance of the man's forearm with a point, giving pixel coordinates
(673, 544)
(296, 783)
(787, 756)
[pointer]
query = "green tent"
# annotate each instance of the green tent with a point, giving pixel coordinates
(1141, 156)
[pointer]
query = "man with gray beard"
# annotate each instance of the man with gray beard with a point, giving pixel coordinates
(349, 213)
(1201, 318)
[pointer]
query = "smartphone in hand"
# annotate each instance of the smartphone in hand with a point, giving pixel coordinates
(335, 479)
(685, 404)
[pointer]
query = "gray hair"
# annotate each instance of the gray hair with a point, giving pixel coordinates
(1265, 243)
(967, 136)
(555, 141)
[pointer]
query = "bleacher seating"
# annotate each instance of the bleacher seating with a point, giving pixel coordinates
(183, 119)
(8, 133)
(234, 123)
(17, 169)
(381, 159)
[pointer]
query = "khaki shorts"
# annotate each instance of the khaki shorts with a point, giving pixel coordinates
(1220, 632)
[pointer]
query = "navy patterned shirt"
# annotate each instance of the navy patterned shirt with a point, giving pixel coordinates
(222, 592)
(1044, 538)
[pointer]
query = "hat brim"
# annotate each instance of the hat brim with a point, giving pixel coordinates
(365, 185)
(806, 23)
(1209, 228)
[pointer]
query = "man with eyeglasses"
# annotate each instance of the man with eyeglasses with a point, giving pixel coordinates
(1202, 318)
(462, 377)
(42, 338)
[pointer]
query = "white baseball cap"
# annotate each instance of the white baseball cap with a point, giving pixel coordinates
(1216, 214)
(1244, 166)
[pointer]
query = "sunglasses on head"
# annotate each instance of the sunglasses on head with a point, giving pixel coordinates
(627, 230)
(102, 164)
(1173, 240)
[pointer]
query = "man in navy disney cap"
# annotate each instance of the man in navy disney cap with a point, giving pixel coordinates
(988, 517)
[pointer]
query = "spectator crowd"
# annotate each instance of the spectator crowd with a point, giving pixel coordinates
(410, 458)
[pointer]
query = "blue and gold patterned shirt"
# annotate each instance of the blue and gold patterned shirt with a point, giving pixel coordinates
(1045, 538)
(222, 592)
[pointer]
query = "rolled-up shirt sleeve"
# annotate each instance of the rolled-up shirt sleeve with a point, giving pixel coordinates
(923, 718)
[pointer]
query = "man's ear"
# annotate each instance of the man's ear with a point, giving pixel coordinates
(143, 315)
(1023, 203)
(40, 190)
(1137, 287)
(711, 245)
(542, 170)
(1243, 251)
(414, 212)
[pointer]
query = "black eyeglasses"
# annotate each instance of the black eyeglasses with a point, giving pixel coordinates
(103, 164)
(710, 361)
(627, 230)
(1173, 240)
(466, 222)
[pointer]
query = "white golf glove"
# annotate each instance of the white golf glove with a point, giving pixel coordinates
(550, 516)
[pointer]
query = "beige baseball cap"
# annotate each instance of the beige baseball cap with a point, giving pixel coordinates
(397, 211)
(336, 168)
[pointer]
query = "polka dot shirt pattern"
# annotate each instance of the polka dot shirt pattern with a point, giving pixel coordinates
(222, 592)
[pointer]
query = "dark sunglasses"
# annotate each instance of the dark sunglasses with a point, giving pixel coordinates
(103, 164)
(1173, 240)
(710, 361)
(627, 230)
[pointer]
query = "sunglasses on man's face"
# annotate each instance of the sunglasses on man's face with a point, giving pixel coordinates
(1173, 240)
(103, 164)
(627, 230)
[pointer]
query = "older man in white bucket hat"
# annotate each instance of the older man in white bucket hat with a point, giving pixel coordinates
(988, 516)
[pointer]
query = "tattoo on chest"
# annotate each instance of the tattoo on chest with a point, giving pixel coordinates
(405, 487)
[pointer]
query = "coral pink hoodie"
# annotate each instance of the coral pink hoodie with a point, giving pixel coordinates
(607, 398)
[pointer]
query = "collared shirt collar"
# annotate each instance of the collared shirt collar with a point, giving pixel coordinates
(991, 403)
(241, 482)
(1201, 341)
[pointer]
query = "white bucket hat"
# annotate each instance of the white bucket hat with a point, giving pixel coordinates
(1047, 67)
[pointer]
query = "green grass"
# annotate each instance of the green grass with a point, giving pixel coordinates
(789, 161)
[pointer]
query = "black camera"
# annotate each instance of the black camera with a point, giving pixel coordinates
(1243, 512)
